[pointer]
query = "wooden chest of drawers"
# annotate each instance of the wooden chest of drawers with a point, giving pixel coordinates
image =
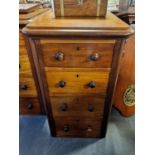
(76, 63)
(29, 100)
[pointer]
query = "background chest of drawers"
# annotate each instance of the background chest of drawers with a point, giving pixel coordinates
(76, 63)
(29, 102)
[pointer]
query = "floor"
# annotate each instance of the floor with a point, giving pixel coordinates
(35, 139)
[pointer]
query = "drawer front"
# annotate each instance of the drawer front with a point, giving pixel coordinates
(75, 80)
(24, 65)
(88, 54)
(27, 87)
(72, 106)
(77, 127)
(29, 106)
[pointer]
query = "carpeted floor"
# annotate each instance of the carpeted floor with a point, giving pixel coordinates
(35, 138)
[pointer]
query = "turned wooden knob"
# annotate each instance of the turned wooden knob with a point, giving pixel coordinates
(29, 105)
(62, 84)
(63, 107)
(94, 56)
(59, 56)
(91, 84)
(23, 87)
(90, 108)
(89, 129)
(66, 128)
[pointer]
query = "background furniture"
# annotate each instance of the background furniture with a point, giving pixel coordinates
(29, 100)
(124, 98)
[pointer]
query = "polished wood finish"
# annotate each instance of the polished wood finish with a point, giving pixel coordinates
(126, 77)
(77, 80)
(60, 85)
(30, 102)
(27, 86)
(77, 53)
(78, 8)
(77, 127)
(47, 22)
(87, 106)
(29, 105)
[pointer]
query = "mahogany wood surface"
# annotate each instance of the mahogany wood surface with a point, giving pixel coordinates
(61, 83)
(29, 105)
(126, 77)
(27, 86)
(28, 90)
(87, 106)
(74, 8)
(77, 127)
(77, 80)
(77, 53)
(47, 20)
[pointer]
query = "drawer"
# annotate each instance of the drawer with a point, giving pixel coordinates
(77, 80)
(77, 53)
(72, 106)
(29, 106)
(24, 65)
(78, 127)
(27, 87)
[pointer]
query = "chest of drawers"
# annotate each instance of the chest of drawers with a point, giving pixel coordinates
(29, 100)
(76, 63)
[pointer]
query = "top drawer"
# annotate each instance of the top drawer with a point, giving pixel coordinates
(77, 53)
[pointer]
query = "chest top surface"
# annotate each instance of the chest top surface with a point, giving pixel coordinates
(47, 24)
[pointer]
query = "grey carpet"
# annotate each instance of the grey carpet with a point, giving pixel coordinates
(34, 138)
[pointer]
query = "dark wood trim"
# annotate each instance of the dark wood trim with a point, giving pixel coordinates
(112, 84)
(39, 67)
(28, 48)
(78, 32)
(45, 88)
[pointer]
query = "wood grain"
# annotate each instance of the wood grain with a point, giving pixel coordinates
(126, 77)
(78, 127)
(73, 9)
(24, 65)
(78, 106)
(31, 88)
(77, 53)
(76, 80)
(29, 106)
(46, 29)
(47, 21)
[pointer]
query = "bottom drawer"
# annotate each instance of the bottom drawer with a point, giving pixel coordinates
(78, 127)
(29, 106)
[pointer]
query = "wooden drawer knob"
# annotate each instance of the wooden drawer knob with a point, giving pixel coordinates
(29, 105)
(94, 56)
(23, 87)
(63, 107)
(89, 129)
(59, 56)
(91, 84)
(90, 108)
(66, 128)
(62, 84)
